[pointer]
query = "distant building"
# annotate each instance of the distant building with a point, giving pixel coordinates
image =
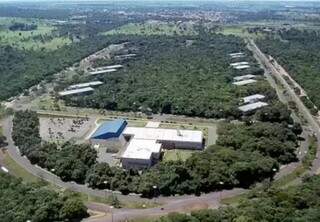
(244, 82)
(102, 71)
(109, 67)
(240, 67)
(84, 85)
(237, 55)
(252, 107)
(252, 98)
(82, 91)
(239, 64)
(244, 77)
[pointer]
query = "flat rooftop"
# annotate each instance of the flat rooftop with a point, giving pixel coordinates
(110, 67)
(239, 63)
(76, 91)
(84, 85)
(160, 134)
(242, 67)
(141, 149)
(244, 82)
(252, 106)
(248, 99)
(152, 124)
(244, 77)
(102, 71)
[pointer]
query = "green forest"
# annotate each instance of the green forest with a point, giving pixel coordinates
(298, 52)
(245, 154)
(171, 76)
(295, 204)
(22, 202)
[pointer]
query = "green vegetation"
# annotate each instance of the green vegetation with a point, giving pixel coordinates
(294, 204)
(156, 28)
(245, 154)
(298, 52)
(41, 36)
(22, 202)
(177, 155)
(169, 76)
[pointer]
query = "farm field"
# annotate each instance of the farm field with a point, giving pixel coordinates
(155, 28)
(43, 37)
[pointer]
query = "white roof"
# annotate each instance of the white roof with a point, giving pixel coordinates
(87, 84)
(252, 106)
(141, 149)
(239, 78)
(255, 97)
(160, 134)
(236, 54)
(102, 71)
(242, 67)
(239, 63)
(110, 67)
(244, 82)
(76, 91)
(152, 124)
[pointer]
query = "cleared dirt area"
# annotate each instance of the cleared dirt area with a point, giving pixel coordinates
(64, 129)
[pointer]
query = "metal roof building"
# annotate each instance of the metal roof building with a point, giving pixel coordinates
(84, 85)
(252, 107)
(110, 67)
(110, 129)
(102, 71)
(237, 55)
(244, 82)
(242, 67)
(85, 90)
(252, 98)
(244, 77)
(239, 64)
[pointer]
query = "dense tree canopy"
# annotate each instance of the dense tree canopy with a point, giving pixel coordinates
(298, 204)
(298, 52)
(22, 202)
(244, 154)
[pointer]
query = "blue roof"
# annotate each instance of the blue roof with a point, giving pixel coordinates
(113, 128)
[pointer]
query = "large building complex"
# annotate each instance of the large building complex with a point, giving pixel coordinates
(142, 145)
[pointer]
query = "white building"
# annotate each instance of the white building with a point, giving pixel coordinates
(110, 67)
(237, 55)
(86, 90)
(169, 138)
(240, 67)
(84, 85)
(252, 107)
(141, 154)
(244, 82)
(244, 77)
(239, 64)
(102, 71)
(252, 98)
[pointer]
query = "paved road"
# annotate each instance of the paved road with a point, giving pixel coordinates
(302, 108)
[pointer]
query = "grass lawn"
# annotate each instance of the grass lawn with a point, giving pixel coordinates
(25, 39)
(175, 155)
(17, 170)
(155, 28)
(237, 31)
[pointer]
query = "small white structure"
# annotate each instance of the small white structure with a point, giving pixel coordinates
(152, 124)
(252, 107)
(84, 85)
(239, 64)
(237, 55)
(244, 82)
(244, 77)
(85, 90)
(118, 66)
(242, 67)
(102, 71)
(252, 98)
(4, 169)
(141, 154)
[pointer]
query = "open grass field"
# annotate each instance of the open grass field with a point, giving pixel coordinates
(175, 155)
(155, 28)
(34, 39)
(239, 31)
